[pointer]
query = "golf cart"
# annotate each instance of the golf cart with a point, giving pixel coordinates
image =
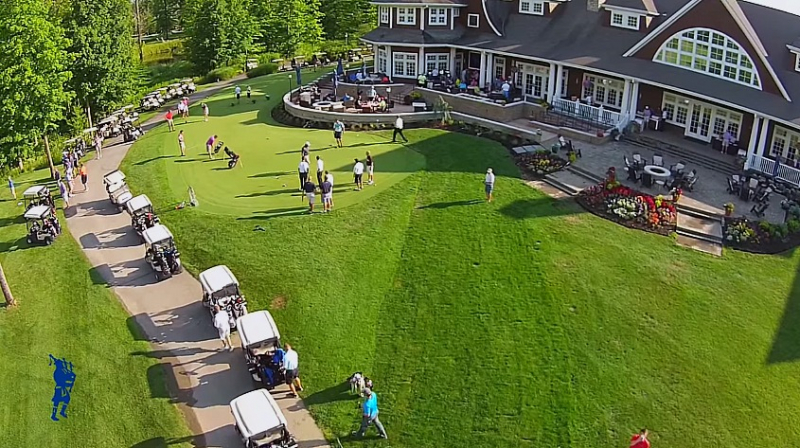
(117, 189)
(188, 85)
(130, 131)
(175, 90)
(262, 348)
(220, 287)
(150, 102)
(165, 94)
(142, 217)
(37, 195)
(161, 253)
(260, 422)
(42, 224)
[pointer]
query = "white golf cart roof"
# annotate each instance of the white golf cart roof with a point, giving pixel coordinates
(256, 413)
(35, 191)
(188, 80)
(138, 203)
(257, 327)
(116, 186)
(114, 177)
(156, 234)
(124, 198)
(37, 212)
(108, 120)
(217, 278)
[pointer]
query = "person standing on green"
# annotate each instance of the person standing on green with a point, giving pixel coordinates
(338, 130)
(12, 187)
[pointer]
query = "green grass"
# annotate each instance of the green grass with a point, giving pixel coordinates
(525, 322)
(119, 398)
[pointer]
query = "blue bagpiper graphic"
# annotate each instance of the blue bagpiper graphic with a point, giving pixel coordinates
(64, 377)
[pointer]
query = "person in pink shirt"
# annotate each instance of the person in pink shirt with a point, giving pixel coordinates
(186, 106)
(210, 146)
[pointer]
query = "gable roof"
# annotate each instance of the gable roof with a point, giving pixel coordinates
(648, 6)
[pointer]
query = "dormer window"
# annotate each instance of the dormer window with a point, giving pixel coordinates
(383, 11)
(625, 20)
(535, 7)
(406, 16)
(437, 16)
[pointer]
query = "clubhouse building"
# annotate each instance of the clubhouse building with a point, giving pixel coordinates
(706, 68)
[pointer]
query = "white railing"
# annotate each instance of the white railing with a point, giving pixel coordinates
(579, 110)
(785, 172)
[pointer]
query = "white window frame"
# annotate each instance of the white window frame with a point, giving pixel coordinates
(724, 58)
(456, 12)
(564, 82)
(535, 7)
(437, 60)
(782, 140)
(405, 58)
(607, 85)
(477, 18)
(406, 16)
(382, 63)
(383, 13)
(797, 62)
(624, 20)
(437, 16)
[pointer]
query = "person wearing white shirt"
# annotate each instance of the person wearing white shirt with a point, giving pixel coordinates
(238, 91)
(302, 171)
(489, 184)
(291, 370)
(223, 326)
(320, 170)
(372, 93)
(358, 172)
(398, 130)
(329, 179)
(506, 90)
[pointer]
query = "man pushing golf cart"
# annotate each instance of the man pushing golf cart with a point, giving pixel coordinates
(261, 343)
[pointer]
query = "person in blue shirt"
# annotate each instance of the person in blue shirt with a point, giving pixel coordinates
(12, 187)
(370, 414)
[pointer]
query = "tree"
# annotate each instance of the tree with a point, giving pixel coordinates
(285, 24)
(103, 71)
(218, 32)
(6, 289)
(166, 15)
(343, 17)
(33, 74)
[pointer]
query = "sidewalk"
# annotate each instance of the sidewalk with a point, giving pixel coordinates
(202, 378)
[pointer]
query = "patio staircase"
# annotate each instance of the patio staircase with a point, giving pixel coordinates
(726, 167)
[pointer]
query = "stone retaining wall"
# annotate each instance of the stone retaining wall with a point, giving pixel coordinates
(502, 113)
(309, 114)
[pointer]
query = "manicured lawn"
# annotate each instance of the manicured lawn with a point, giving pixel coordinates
(119, 398)
(524, 322)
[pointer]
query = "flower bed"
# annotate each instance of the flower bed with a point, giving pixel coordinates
(761, 236)
(630, 208)
(541, 163)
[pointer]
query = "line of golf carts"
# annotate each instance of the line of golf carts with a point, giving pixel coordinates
(259, 421)
(160, 251)
(41, 221)
(156, 99)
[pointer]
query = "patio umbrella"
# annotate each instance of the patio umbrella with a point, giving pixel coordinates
(297, 74)
(335, 83)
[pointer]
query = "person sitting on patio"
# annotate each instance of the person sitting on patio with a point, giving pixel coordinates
(347, 97)
(359, 76)
(422, 80)
(727, 140)
(382, 105)
(357, 103)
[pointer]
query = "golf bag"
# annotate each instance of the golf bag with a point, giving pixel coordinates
(218, 147)
(233, 158)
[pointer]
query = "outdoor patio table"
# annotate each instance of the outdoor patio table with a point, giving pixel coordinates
(322, 105)
(658, 172)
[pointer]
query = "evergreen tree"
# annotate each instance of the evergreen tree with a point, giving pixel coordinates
(103, 70)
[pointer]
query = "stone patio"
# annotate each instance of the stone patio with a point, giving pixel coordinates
(709, 192)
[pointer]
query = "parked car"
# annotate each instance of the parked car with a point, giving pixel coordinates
(220, 287)
(161, 253)
(261, 343)
(259, 421)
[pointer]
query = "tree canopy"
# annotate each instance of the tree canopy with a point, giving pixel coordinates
(218, 31)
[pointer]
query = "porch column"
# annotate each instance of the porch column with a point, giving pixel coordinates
(551, 83)
(482, 70)
(489, 69)
(389, 62)
(626, 97)
(559, 81)
(761, 150)
(391, 19)
(751, 146)
(634, 107)
(421, 62)
(453, 64)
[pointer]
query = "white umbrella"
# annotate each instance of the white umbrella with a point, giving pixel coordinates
(89, 130)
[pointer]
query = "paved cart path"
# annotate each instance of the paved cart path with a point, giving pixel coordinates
(203, 378)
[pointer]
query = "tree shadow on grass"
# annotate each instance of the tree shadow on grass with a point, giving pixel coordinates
(269, 193)
(153, 159)
(271, 174)
(276, 213)
(786, 342)
(541, 207)
(338, 392)
(444, 205)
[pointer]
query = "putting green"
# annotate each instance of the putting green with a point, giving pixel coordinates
(266, 182)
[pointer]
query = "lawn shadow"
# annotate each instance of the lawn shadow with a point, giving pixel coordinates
(541, 207)
(269, 193)
(444, 205)
(186, 160)
(786, 342)
(271, 174)
(276, 213)
(152, 159)
(221, 436)
(15, 245)
(338, 392)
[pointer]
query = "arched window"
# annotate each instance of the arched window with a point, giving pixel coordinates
(710, 52)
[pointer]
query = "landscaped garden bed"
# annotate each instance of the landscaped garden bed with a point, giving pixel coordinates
(761, 237)
(541, 163)
(629, 207)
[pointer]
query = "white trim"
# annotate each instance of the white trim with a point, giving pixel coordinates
(762, 137)
(433, 18)
(666, 24)
(391, 17)
(406, 15)
(532, 5)
(406, 57)
(753, 143)
(625, 19)
(793, 49)
(640, 12)
(797, 62)
(477, 20)
(452, 16)
(381, 16)
(488, 20)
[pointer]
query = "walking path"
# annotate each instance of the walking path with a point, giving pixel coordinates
(203, 379)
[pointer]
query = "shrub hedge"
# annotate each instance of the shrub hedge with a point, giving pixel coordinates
(262, 69)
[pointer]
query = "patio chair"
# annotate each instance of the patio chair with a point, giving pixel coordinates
(733, 187)
(661, 183)
(628, 163)
(632, 175)
(691, 181)
(658, 160)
